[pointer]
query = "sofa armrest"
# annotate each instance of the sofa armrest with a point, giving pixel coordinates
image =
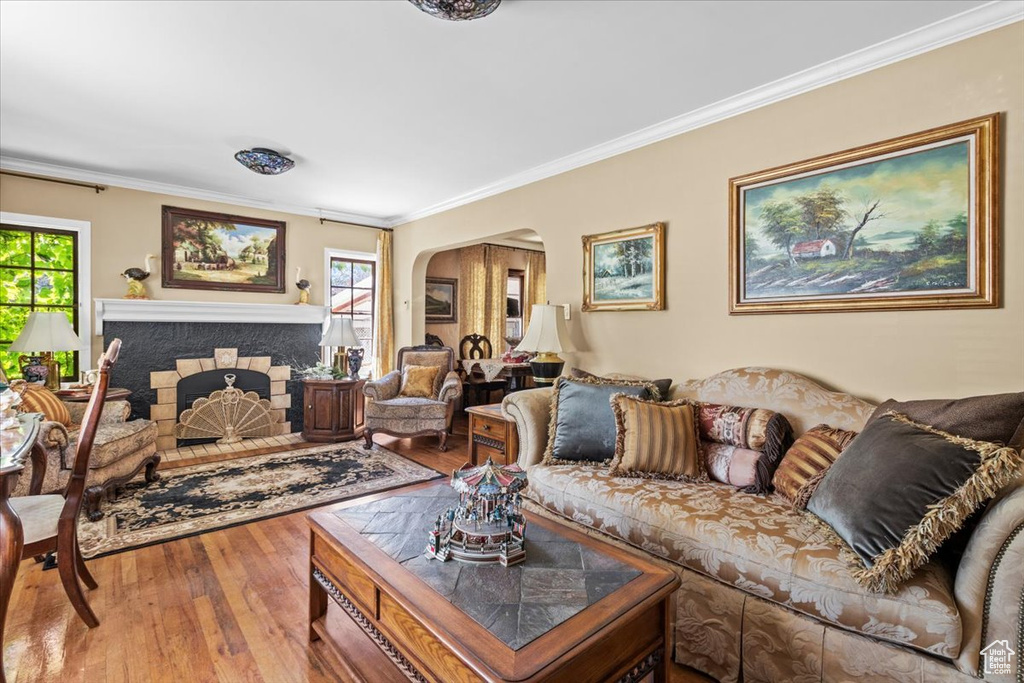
(989, 582)
(52, 440)
(531, 411)
(113, 411)
(451, 389)
(384, 388)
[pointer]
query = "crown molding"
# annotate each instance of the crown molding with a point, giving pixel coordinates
(958, 27)
(39, 168)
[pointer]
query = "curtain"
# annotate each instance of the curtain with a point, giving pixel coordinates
(472, 291)
(536, 285)
(497, 260)
(384, 320)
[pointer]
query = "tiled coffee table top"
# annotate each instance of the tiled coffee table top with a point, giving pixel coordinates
(558, 579)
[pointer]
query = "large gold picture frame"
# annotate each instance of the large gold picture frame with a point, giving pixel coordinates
(624, 270)
(905, 224)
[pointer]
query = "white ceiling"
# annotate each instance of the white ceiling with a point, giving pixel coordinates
(388, 111)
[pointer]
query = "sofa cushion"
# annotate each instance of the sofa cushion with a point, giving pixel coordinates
(407, 408)
(751, 429)
(656, 439)
(115, 440)
(582, 423)
(996, 417)
(902, 488)
(757, 544)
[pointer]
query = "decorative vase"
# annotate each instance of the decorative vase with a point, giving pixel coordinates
(355, 360)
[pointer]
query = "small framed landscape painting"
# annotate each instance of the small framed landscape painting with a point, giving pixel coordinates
(909, 223)
(442, 300)
(206, 250)
(625, 270)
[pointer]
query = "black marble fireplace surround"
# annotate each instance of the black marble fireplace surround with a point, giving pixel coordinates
(153, 346)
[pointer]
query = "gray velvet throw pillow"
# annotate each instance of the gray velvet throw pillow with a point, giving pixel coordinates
(582, 422)
(902, 488)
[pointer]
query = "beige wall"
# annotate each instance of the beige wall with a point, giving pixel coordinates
(126, 227)
(446, 264)
(683, 181)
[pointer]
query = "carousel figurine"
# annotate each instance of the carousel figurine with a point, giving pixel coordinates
(135, 278)
(487, 525)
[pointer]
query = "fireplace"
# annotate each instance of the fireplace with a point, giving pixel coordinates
(195, 378)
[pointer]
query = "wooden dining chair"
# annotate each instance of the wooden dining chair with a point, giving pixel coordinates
(477, 347)
(50, 522)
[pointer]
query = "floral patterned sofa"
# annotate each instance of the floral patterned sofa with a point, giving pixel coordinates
(763, 596)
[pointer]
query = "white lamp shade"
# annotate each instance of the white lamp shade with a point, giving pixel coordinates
(341, 332)
(547, 331)
(46, 332)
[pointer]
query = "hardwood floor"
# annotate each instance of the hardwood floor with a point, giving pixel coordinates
(228, 605)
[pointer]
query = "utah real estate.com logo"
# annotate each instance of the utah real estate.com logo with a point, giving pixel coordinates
(998, 658)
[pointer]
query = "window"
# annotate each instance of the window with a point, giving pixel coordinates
(514, 308)
(353, 296)
(38, 272)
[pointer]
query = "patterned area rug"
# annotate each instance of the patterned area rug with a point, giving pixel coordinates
(199, 498)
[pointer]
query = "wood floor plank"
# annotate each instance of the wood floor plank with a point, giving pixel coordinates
(225, 606)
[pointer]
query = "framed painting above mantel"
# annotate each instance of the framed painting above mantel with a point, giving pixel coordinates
(908, 223)
(207, 250)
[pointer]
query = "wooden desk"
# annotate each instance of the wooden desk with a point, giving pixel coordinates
(491, 435)
(15, 444)
(333, 409)
(406, 603)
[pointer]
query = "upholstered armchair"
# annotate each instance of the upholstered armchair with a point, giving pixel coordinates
(120, 451)
(389, 413)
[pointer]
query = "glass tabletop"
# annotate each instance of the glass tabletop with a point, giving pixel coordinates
(16, 439)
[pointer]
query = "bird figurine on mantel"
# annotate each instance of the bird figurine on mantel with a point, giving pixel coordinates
(135, 277)
(303, 286)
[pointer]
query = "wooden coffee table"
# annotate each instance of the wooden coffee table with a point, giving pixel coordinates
(577, 610)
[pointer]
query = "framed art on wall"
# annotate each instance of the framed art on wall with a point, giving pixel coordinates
(206, 250)
(904, 224)
(442, 300)
(625, 270)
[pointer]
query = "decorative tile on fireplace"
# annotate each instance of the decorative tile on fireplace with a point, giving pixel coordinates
(165, 382)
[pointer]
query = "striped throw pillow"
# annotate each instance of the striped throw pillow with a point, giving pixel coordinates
(658, 440)
(807, 460)
(36, 398)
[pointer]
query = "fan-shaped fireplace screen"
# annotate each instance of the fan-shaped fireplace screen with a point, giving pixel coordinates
(212, 408)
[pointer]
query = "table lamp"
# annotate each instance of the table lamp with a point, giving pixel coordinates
(341, 334)
(546, 336)
(46, 333)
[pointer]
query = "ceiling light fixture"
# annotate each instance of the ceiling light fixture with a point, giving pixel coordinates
(264, 161)
(457, 10)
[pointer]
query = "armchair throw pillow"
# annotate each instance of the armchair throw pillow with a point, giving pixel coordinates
(657, 440)
(582, 424)
(418, 381)
(902, 488)
(36, 398)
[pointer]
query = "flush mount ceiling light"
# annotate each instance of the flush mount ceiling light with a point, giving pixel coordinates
(457, 10)
(264, 161)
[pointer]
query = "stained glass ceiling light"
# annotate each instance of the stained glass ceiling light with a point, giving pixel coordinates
(457, 10)
(264, 161)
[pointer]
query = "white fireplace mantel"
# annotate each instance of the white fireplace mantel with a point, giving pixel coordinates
(151, 310)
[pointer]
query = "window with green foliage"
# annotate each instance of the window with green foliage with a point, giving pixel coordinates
(38, 272)
(353, 296)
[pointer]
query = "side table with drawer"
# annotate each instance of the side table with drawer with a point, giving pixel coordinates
(491, 435)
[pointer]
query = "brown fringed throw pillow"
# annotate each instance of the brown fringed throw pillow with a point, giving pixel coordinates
(901, 489)
(807, 460)
(752, 439)
(657, 440)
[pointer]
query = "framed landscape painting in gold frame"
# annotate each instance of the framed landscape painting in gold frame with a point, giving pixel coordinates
(908, 223)
(625, 270)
